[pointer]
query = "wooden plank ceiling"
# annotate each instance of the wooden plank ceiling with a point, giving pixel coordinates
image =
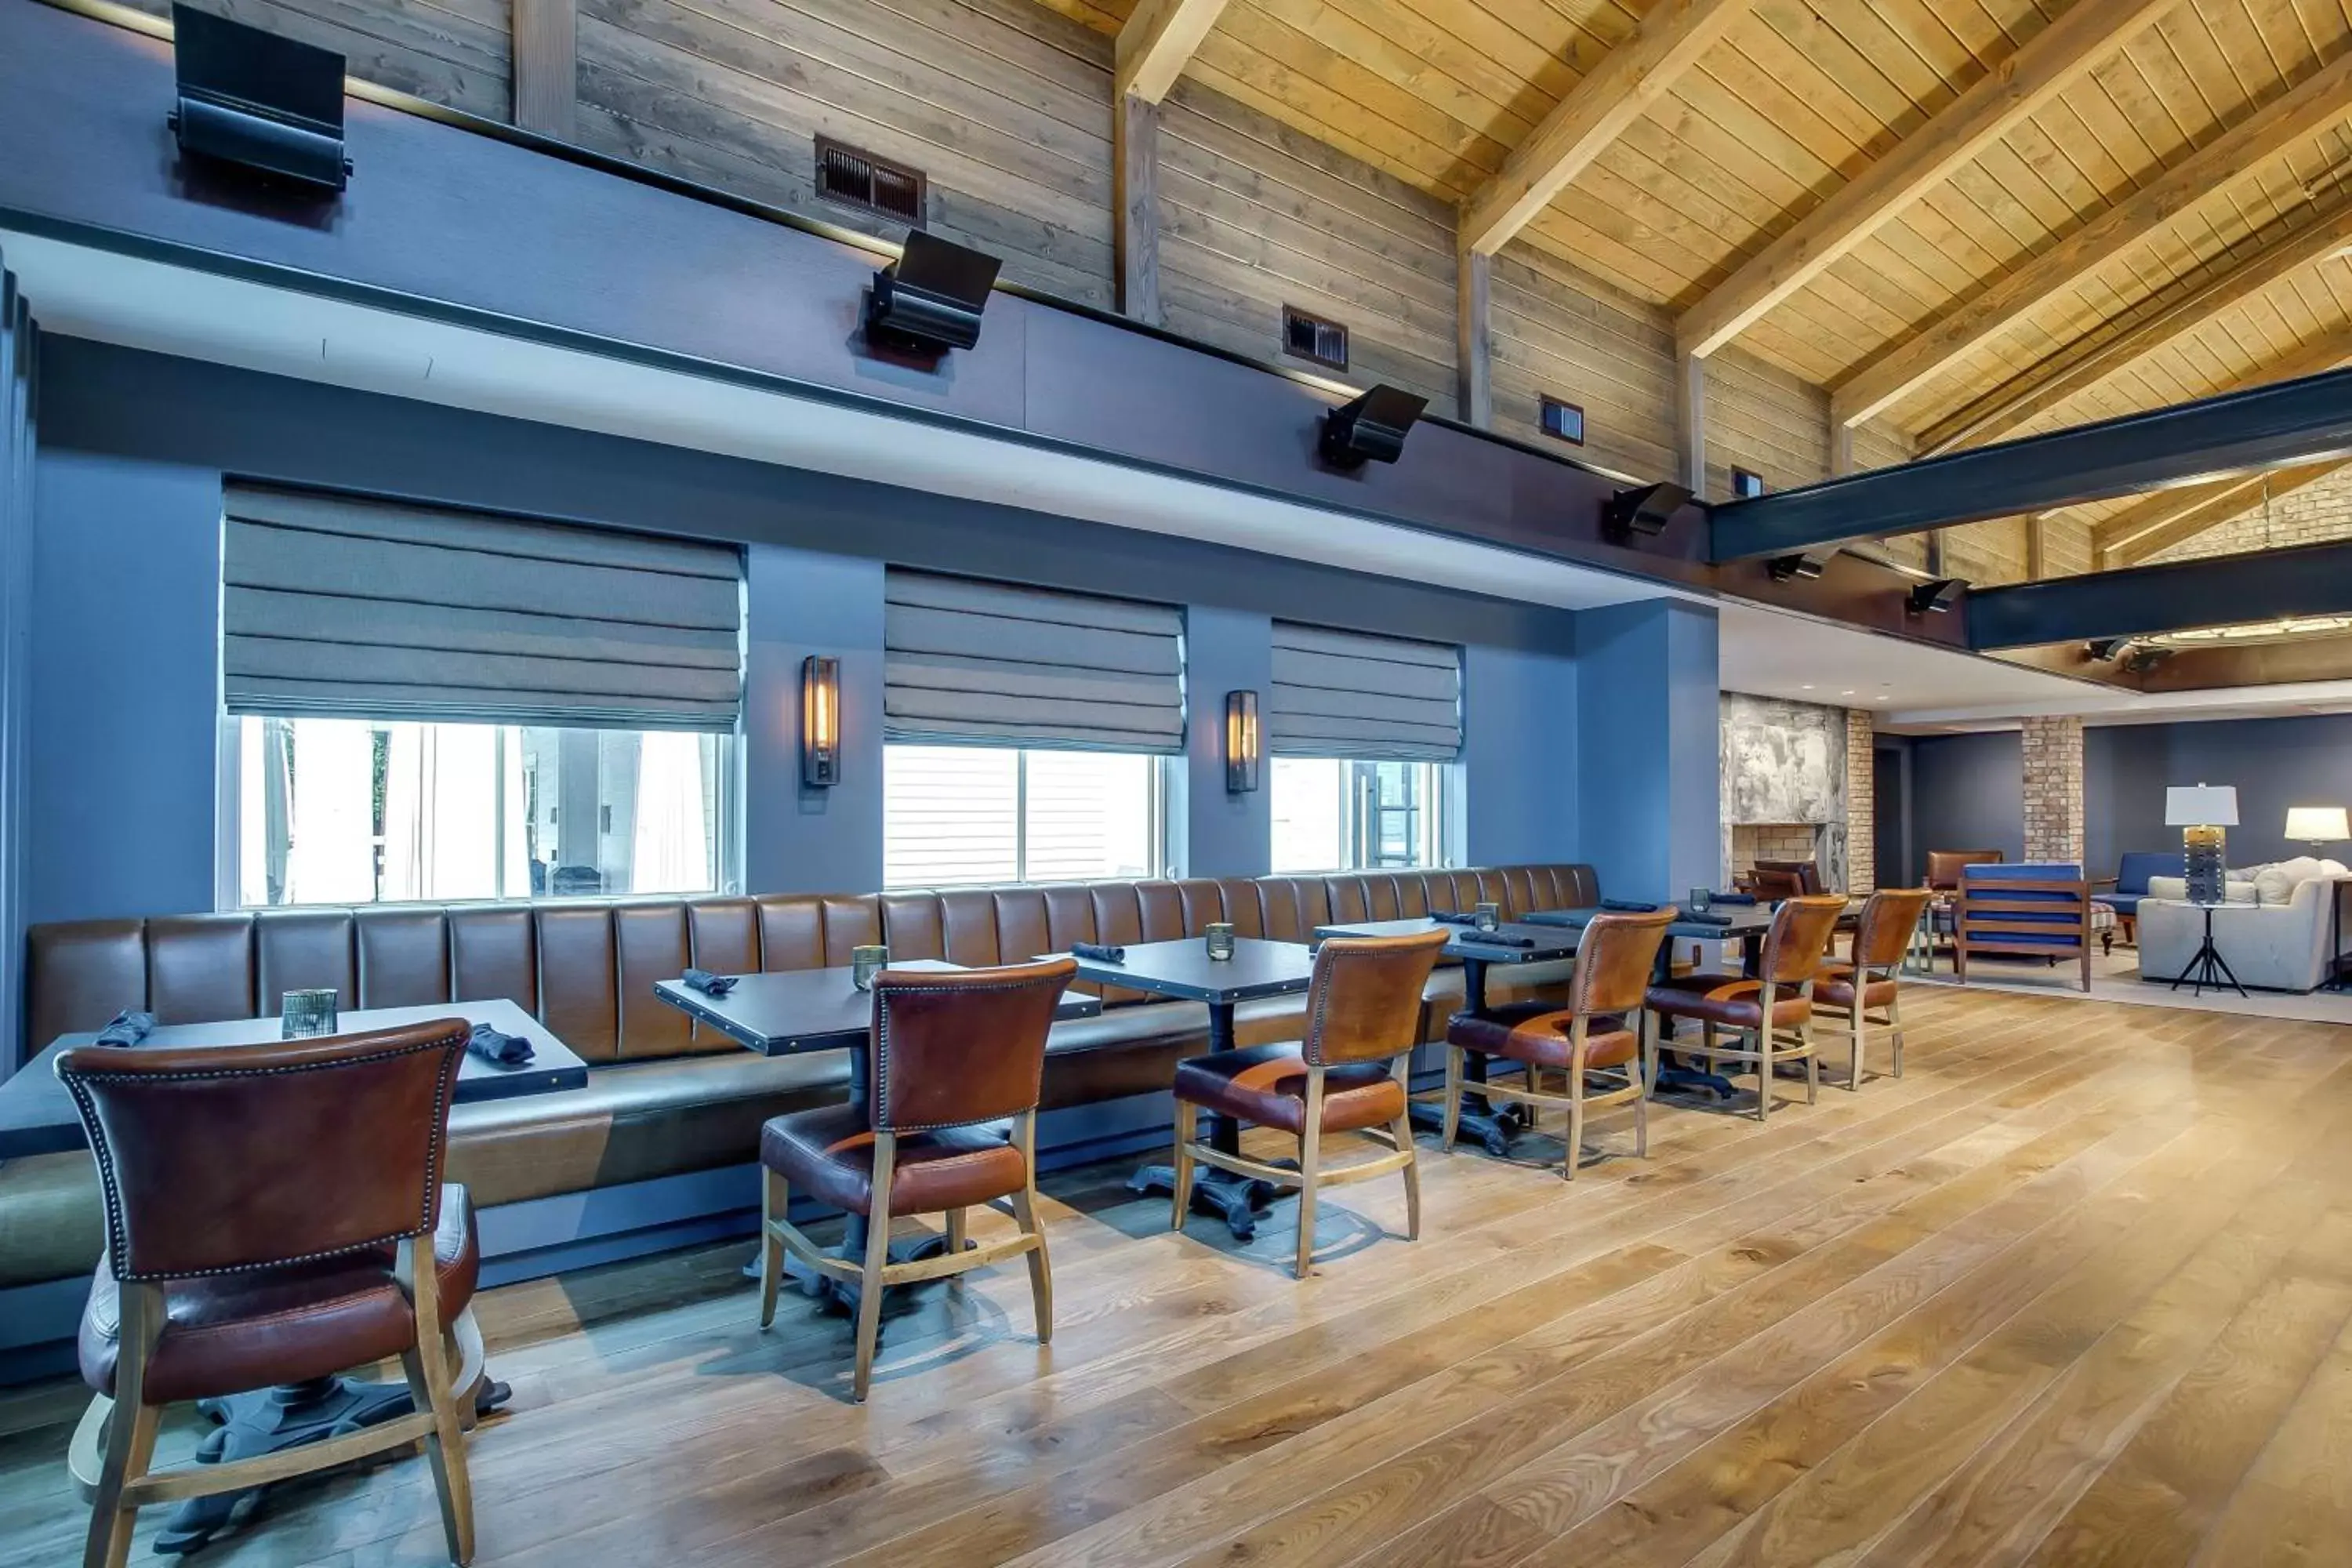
(2178, 171)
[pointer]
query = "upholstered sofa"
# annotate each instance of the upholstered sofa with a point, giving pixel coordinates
(666, 1097)
(2273, 930)
(2134, 873)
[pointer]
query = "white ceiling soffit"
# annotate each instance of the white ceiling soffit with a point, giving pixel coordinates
(1765, 653)
(84, 292)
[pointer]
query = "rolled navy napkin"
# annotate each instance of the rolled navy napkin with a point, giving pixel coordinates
(1100, 952)
(1448, 917)
(1747, 899)
(494, 1045)
(128, 1028)
(1628, 907)
(1706, 918)
(709, 985)
(1496, 939)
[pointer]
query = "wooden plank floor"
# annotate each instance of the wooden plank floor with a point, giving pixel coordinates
(2076, 1289)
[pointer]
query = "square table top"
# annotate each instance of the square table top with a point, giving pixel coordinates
(37, 1116)
(1551, 943)
(1184, 969)
(795, 1010)
(1747, 919)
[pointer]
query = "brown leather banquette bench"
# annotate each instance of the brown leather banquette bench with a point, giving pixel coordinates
(666, 1096)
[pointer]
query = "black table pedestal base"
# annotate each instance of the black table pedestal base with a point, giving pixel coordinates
(841, 1295)
(1222, 1194)
(1493, 1126)
(275, 1420)
(1674, 1076)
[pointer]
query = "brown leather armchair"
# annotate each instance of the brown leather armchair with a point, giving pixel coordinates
(1772, 1009)
(1347, 1074)
(949, 1051)
(1846, 991)
(1944, 866)
(1612, 972)
(273, 1214)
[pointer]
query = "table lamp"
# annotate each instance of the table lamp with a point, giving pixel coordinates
(2202, 811)
(2317, 825)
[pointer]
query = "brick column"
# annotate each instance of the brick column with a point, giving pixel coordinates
(2054, 789)
(1861, 803)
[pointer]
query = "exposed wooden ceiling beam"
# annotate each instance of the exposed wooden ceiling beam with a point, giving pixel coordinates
(2190, 516)
(1597, 110)
(2092, 360)
(1159, 37)
(2048, 63)
(2320, 99)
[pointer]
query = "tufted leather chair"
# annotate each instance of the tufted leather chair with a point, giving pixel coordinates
(951, 1053)
(1944, 865)
(1773, 1009)
(1614, 959)
(274, 1214)
(1347, 1074)
(1847, 993)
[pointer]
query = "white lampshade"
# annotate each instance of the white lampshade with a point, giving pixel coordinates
(2200, 805)
(2316, 824)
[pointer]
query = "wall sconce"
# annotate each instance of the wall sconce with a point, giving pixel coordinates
(1242, 745)
(820, 721)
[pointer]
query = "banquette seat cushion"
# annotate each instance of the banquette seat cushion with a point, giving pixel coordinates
(667, 1096)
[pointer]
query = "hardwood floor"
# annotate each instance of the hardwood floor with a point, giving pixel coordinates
(2077, 1290)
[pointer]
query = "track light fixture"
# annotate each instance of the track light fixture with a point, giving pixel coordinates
(1642, 511)
(249, 98)
(1371, 428)
(930, 300)
(1808, 564)
(1936, 596)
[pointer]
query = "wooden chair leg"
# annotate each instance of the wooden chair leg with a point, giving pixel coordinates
(1575, 1123)
(1402, 1131)
(1024, 1209)
(130, 1428)
(1763, 1038)
(1859, 1021)
(427, 1364)
(877, 1259)
(1640, 1068)
(1812, 1064)
(775, 1202)
(955, 1235)
(1894, 1030)
(1182, 1193)
(1452, 1098)
(1310, 1156)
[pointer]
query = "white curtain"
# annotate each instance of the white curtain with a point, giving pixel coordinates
(332, 858)
(671, 853)
(440, 811)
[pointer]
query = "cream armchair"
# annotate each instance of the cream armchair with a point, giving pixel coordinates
(2272, 930)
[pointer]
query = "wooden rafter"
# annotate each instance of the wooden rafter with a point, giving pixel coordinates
(2092, 361)
(1158, 39)
(545, 66)
(2178, 516)
(2048, 64)
(1614, 94)
(2317, 101)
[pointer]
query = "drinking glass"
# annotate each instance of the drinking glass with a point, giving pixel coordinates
(1219, 936)
(865, 964)
(306, 1014)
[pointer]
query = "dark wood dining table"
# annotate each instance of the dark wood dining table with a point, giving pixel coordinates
(1510, 942)
(1183, 969)
(38, 1117)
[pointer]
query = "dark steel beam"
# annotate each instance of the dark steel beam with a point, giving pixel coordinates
(2263, 428)
(2141, 601)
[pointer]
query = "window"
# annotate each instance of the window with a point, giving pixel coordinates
(350, 811)
(972, 816)
(1333, 816)
(1565, 420)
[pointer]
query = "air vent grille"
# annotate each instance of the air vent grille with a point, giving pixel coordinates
(856, 178)
(1313, 338)
(1565, 420)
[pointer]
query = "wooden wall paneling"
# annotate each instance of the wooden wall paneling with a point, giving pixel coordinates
(990, 102)
(1690, 424)
(1474, 370)
(2315, 103)
(1671, 38)
(546, 66)
(1135, 221)
(1762, 418)
(452, 52)
(1557, 332)
(1158, 38)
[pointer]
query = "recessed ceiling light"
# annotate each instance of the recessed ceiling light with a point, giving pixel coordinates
(1847, 692)
(1807, 686)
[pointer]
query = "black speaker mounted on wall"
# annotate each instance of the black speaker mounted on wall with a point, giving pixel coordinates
(1935, 596)
(930, 300)
(1644, 510)
(262, 103)
(1806, 563)
(1371, 428)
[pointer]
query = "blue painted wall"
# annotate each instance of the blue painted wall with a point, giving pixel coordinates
(798, 603)
(1648, 735)
(1518, 753)
(1220, 834)
(126, 687)
(1968, 792)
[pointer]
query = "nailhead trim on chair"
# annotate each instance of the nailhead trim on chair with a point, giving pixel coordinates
(880, 1116)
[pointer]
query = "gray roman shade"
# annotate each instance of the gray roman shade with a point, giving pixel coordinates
(1344, 694)
(357, 609)
(972, 662)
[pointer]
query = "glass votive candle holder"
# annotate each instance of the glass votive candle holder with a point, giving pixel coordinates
(1219, 936)
(305, 1014)
(1489, 916)
(865, 964)
(1700, 897)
